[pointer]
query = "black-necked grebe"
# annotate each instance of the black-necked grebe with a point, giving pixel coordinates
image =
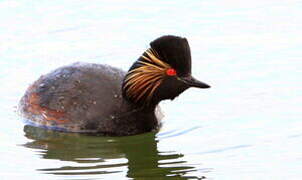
(94, 98)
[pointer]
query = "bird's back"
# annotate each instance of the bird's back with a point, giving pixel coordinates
(81, 97)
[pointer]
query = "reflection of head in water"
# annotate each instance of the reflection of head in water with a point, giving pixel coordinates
(103, 155)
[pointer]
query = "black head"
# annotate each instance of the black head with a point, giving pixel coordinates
(162, 72)
(175, 51)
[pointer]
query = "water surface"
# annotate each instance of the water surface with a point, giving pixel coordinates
(247, 126)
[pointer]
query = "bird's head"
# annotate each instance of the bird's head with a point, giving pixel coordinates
(162, 72)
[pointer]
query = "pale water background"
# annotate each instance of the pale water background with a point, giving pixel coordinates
(247, 126)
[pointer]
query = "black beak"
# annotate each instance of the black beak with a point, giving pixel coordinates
(192, 82)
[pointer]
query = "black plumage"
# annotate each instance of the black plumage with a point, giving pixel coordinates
(93, 98)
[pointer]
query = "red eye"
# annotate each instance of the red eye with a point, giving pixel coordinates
(171, 72)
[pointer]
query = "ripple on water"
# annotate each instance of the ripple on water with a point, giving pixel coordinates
(176, 132)
(94, 156)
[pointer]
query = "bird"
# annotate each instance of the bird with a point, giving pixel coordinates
(100, 99)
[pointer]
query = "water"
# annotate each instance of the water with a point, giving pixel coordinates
(247, 126)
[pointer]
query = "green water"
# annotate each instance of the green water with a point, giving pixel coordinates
(137, 156)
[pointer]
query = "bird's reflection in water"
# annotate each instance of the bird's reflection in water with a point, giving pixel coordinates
(104, 155)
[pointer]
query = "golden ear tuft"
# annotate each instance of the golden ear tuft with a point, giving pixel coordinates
(141, 82)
